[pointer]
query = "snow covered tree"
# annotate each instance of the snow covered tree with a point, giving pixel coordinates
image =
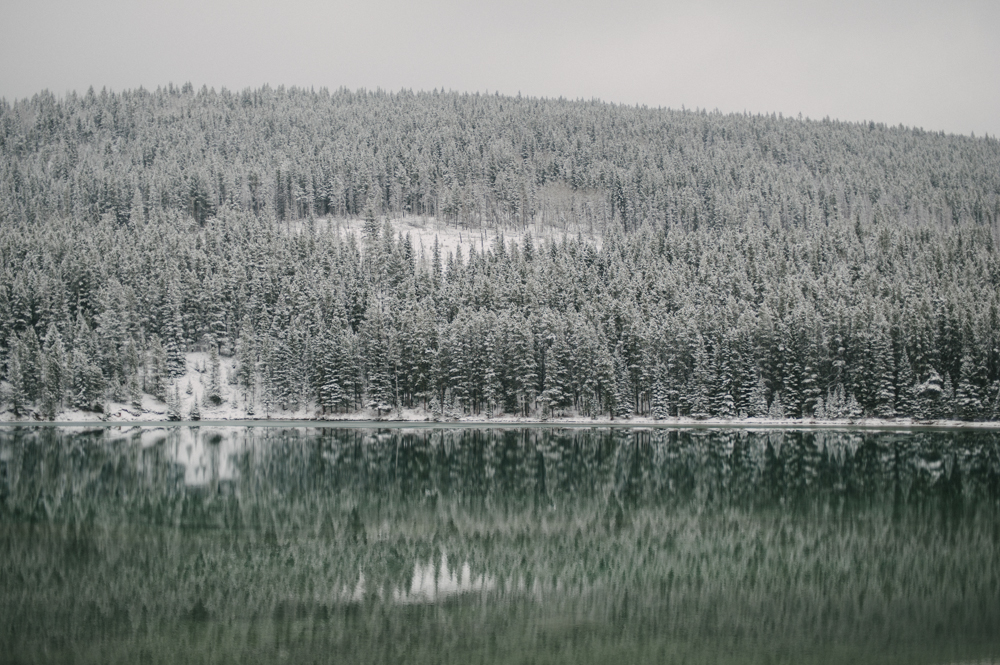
(929, 395)
(87, 387)
(26, 380)
(157, 377)
(623, 404)
(884, 374)
(18, 396)
(776, 411)
(213, 393)
(172, 335)
(246, 363)
(195, 412)
(968, 404)
(906, 393)
(700, 381)
(661, 400)
(54, 374)
(174, 404)
(524, 369)
(811, 393)
(995, 401)
(852, 408)
(758, 399)
(946, 407)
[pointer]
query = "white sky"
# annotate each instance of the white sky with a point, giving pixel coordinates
(925, 64)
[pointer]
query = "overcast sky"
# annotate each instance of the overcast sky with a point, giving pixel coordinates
(925, 64)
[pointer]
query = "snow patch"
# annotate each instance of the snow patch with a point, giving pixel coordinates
(451, 236)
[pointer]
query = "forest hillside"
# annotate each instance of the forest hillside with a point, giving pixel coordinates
(626, 260)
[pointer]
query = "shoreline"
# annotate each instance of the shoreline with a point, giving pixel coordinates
(510, 422)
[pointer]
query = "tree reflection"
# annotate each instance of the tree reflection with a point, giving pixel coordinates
(657, 543)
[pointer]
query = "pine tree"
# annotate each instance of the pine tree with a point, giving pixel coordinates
(172, 332)
(946, 407)
(623, 388)
(524, 367)
(852, 407)
(906, 398)
(88, 382)
(437, 412)
(885, 396)
(791, 388)
(819, 411)
(195, 413)
(929, 396)
(174, 404)
(777, 409)
(968, 405)
(246, 363)
(55, 371)
(758, 399)
(213, 395)
(267, 388)
(723, 404)
(30, 352)
(748, 372)
(436, 265)
(173, 345)
(331, 395)
(557, 390)
(811, 393)
(492, 388)
(835, 406)
(380, 358)
(15, 375)
(134, 392)
(661, 400)
(156, 379)
(700, 381)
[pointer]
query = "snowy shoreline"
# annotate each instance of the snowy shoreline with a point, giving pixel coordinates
(420, 418)
(149, 411)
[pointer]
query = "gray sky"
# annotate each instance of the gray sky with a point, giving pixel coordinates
(926, 64)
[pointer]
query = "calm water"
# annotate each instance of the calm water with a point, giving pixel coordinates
(498, 545)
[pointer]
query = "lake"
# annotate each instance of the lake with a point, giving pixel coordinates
(498, 545)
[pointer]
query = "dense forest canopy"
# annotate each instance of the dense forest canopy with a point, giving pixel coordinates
(751, 265)
(485, 159)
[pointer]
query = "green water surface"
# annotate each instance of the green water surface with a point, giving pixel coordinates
(522, 545)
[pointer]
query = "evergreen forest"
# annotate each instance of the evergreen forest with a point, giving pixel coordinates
(700, 265)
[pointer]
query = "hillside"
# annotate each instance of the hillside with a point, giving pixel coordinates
(484, 255)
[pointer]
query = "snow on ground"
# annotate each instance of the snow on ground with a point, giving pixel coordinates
(120, 413)
(450, 236)
(233, 409)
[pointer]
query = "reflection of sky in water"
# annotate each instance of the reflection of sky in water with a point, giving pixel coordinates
(207, 455)
(430, 583)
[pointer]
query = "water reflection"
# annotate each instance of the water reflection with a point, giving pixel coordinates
(206, 455)
(493, 545)
(435, 581)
